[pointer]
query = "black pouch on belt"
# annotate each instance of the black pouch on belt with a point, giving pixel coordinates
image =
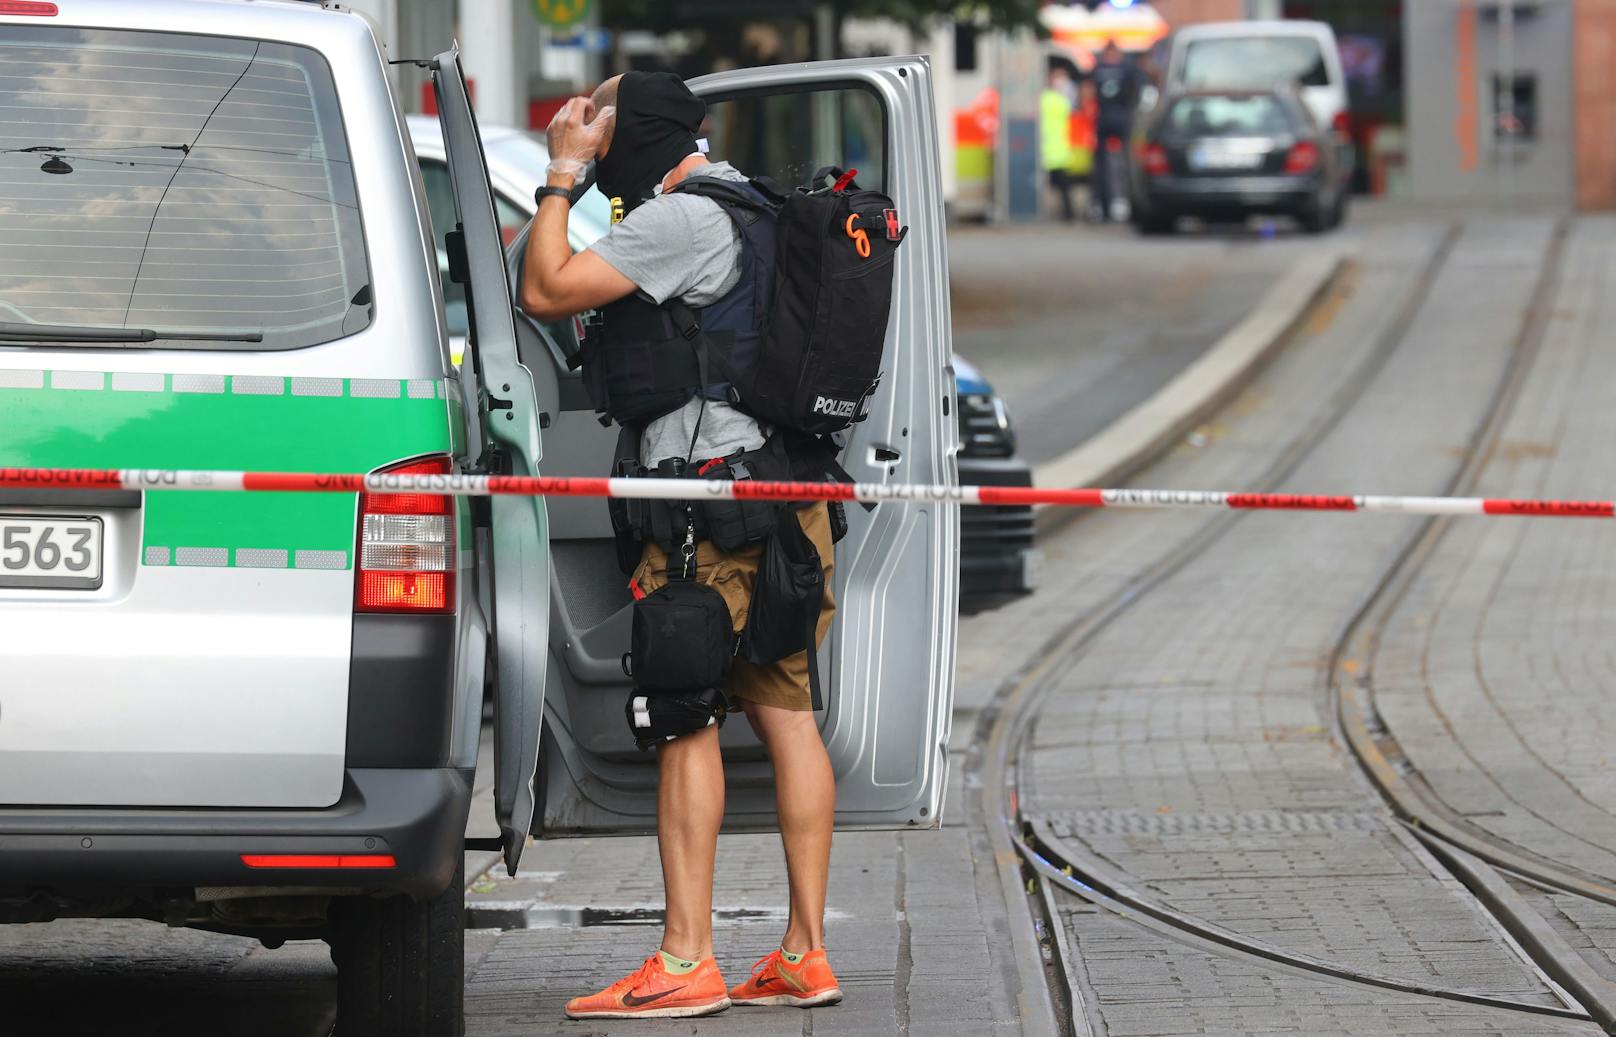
(733, 524)
(681, 647)
(786, 600)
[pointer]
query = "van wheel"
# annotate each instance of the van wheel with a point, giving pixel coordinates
(401, 964)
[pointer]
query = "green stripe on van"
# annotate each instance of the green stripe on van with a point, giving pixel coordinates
(254, 423)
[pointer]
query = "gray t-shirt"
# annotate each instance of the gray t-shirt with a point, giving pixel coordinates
(682, 246)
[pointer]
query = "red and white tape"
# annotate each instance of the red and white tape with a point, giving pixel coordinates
(702, 489)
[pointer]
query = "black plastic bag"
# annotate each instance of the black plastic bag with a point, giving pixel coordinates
(786, 601)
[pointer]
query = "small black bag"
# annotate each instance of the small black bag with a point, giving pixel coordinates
(786, 600)
(683, 639)
(681, 647)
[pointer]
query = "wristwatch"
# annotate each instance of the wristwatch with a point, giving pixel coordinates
(547, 190)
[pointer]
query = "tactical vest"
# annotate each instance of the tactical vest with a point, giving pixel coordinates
(643, 361)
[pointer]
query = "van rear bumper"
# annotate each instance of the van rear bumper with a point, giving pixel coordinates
(418, 816)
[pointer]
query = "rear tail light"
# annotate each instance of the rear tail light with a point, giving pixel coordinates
(36, 8)
(1303, 157)
(1153, 158)
(406, 547)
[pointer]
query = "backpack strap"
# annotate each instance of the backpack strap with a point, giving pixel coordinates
(731, 195)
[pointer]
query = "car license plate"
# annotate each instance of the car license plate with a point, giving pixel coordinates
(1217, 155)
(56, 551)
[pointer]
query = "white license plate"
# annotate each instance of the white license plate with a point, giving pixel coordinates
(62, 551)
(1222, 156)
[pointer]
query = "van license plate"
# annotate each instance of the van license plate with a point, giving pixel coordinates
(57, 551)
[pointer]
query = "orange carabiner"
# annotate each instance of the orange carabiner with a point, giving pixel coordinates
(861, 239)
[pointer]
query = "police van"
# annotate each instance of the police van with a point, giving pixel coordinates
(259, 713)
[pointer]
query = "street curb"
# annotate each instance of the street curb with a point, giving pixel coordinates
(1156, 423)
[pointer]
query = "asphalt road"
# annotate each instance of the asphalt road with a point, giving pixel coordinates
(1075, 325)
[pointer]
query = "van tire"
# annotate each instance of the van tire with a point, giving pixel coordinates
(401, 964)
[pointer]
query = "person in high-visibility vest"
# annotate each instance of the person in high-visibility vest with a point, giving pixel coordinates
(1055, 136)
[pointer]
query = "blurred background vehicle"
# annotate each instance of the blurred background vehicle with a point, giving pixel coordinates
(1222, 155)
(997, 557)
(1252, 54)
(1261, 54)
(996, 550)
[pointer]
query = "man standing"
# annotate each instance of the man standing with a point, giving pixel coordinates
(677, 247)
(1116, 90)
(1055, 136)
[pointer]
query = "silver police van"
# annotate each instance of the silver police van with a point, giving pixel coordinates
(259, 713)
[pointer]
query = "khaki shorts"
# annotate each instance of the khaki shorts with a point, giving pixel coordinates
(783, 683)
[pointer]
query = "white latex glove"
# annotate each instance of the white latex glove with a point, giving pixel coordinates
(576, 134)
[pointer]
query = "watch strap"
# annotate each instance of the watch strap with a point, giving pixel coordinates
(547, 190)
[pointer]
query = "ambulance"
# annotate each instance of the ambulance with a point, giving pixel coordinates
(259, 713)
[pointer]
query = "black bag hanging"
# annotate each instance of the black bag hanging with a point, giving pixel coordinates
(815, 354)
(681, 646)
(786, 601)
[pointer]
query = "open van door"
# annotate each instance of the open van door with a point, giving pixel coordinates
(889, 659)
(513, 547)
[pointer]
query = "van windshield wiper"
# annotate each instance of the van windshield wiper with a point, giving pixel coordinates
(11, 331)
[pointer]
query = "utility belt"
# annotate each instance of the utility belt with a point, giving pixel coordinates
(728, 524)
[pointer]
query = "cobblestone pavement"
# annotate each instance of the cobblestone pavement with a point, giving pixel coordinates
(1495, 671)
(1190, 747)
(1140, 985)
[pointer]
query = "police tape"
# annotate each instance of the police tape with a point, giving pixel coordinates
(458, 485)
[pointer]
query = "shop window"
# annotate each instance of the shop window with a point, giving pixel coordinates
(1515, 108)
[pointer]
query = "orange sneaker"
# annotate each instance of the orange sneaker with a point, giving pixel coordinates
(774, 981)
(651, 992)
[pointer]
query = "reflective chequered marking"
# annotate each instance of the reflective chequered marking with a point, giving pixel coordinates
(214, 556)
(422, 389)
(10, 379)
(258, 385)
(156, 556)
(138, 381)
(316, 386)
(96, 380)
(374, 388)
(208, 383)
(261, 558)
(321, 559)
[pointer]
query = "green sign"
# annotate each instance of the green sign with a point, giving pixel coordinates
(561, 14)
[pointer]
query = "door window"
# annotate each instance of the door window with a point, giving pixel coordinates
(788, 136)
(440, 203)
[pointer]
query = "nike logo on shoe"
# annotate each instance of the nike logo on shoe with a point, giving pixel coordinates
(630, 1000)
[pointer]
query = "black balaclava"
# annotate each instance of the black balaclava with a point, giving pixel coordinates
(657, 122)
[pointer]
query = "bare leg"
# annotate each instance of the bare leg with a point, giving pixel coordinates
(690, 808)
(805, 796)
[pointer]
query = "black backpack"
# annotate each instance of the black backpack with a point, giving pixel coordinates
(816, 354)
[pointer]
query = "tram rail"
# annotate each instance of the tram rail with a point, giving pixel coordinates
(1044, 861)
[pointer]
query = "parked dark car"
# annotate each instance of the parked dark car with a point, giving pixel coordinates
(997, 558)
(1228, 154)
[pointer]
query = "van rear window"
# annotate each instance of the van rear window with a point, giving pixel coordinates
(1229, 116)
(197, 184)
(1236, 61)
